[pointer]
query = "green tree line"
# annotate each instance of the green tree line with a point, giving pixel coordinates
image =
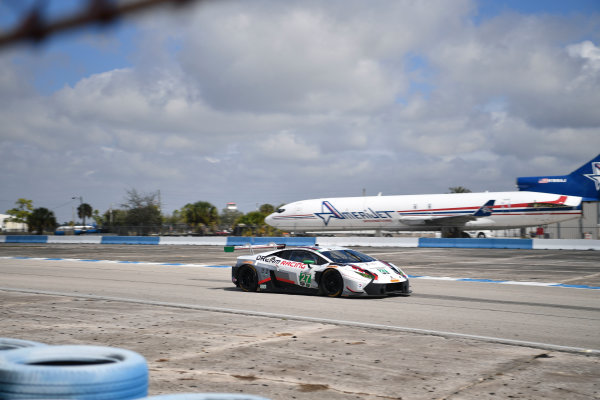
(140, 214)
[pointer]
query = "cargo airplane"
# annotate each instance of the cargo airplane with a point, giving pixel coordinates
(540, 200)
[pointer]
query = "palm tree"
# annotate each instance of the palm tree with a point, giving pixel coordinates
(266, 209)
(84, 210)
(459, 189)
(41, 219)
(200, 213)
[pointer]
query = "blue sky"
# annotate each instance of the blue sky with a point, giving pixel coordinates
(491, 8)
(270, 102)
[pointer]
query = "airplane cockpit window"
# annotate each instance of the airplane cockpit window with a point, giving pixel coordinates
(544, 205)
(280, 210)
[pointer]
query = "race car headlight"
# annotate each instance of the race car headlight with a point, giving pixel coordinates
(364, 273)
(395, 269)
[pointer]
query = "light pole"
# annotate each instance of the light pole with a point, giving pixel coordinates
(80, 203)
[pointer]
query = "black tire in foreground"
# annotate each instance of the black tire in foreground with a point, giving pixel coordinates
(248, 278)
(332, 283)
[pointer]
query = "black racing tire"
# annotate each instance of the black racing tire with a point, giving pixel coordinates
(247, 278)
(13, 344)
(74, 372)
(332, 283)
(481, 235)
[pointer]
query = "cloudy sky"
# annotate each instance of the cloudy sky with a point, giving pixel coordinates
(269, 101)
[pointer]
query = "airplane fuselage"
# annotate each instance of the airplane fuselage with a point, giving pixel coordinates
(427, 212)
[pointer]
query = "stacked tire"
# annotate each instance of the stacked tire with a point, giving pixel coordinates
(13, 344)
(72, 372)
(35, 371)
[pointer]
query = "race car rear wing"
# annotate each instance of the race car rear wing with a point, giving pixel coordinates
(252, 247)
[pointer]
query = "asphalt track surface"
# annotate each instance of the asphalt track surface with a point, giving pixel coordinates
(450, 339)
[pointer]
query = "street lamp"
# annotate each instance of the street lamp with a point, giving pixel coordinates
(80, 203)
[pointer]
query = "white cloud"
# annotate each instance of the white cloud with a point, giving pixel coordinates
(285, 146)
(522, 60)
(276, 101)
(307, 57)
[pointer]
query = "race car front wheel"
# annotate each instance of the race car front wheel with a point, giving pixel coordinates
(248, 279)
(332, 283)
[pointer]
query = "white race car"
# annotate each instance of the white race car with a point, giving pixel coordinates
(329, 271)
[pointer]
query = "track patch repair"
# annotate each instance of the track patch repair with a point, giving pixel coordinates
(116, 262)
(505, 282)
(424, 277)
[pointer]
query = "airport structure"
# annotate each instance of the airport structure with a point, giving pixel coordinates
(586, 227)
(6, 225)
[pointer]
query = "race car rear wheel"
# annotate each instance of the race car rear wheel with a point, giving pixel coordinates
(248, 279)
(332, 283)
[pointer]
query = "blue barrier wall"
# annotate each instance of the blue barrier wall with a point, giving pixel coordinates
(288, 241)
(527, 244)
(130, 240)
(26, 239)
(477, 243)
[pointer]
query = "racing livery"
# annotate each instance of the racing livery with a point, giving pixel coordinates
(329, 271)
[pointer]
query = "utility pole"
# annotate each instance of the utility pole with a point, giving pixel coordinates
(159, 203)
(80, 203)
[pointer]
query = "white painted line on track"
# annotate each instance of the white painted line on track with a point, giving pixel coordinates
(116, 262)
(505, 282)
(489, 339)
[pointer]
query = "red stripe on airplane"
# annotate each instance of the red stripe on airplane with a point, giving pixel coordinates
(560, 200)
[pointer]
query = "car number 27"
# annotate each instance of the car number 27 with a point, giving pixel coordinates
(304, 279)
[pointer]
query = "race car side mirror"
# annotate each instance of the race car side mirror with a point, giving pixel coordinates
(309, 262)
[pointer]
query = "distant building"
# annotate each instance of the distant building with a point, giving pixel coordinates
(9, 226)
(586, 227)
(231, 207)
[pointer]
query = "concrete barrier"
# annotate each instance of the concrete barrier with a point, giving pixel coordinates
(368, 241)
(565, 244)
(288, 241)
(71, 239)
(26, 239)
(495, 243)
(130, 240)
(197, 241)
(476, 243)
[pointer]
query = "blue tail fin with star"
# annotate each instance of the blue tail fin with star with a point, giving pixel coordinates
(583, 182)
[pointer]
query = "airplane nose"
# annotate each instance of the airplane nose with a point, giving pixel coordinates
(269, 219)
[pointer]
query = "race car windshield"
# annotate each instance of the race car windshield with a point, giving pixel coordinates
(347, 256)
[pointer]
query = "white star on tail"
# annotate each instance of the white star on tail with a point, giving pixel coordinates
(595, 175)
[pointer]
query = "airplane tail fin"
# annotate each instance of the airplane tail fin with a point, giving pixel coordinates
(583, 182)
(485, 210)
